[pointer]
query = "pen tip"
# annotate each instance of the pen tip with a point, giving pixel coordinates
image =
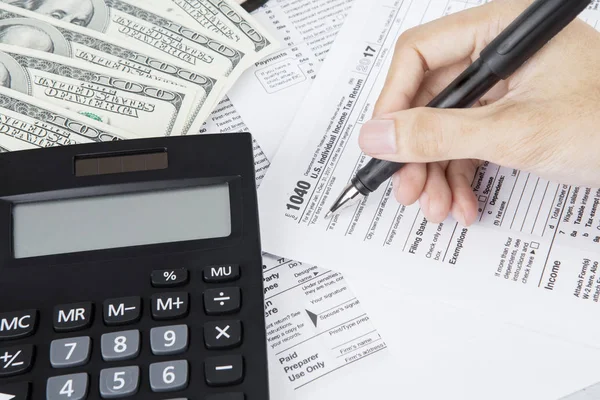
(328, 215)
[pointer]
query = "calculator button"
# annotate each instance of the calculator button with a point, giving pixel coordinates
(170, 305)
(67, 387)
(168, 376)
(222, 301)
(72, 317)
(14, 325)
(221, 273)
(15, 391)
(71, 352)
(119, 382)
(222, 334)
(226, 396)
(15, 360)
(117, 346)
(168, 340)
(224, 370)
(125, 310)
(169, 277)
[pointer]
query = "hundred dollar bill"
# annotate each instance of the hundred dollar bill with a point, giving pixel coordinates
(31, 30)
(29, 123)
(137, 23)
(225, 18)
(146, 107)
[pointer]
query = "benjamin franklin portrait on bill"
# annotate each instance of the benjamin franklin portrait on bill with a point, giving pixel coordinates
(87, 13)
(35, 35)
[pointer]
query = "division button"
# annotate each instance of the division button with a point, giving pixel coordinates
(222, 301)
(67, 387)
(14, 325)
(72, 317)
(71, 352)
(117, 346)
(169, 277)
(122, 311)
(119, 382)
(15, 360)
(169, 340)
(167, 306)
(222, 334)
(221, 273)
(15, 391)
(224, 370)
(226, 396)
(169, 376)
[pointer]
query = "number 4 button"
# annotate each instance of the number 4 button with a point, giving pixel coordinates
(72, 387)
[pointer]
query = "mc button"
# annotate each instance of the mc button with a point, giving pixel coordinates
(14, 325)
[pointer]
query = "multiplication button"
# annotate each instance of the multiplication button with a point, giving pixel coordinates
(222, 301)
(222, 334)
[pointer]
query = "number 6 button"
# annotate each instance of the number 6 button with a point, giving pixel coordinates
(169, 376)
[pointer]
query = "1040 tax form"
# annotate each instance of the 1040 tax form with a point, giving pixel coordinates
(533, 257)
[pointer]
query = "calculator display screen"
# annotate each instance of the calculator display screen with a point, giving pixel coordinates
(120, 220)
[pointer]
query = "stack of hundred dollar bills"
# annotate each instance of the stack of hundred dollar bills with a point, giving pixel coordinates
(77, 71)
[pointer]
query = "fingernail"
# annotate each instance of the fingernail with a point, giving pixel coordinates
(459, 215)
(424, 202)
(378, 136)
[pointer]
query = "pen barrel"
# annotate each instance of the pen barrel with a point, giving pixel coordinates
(531, 31)
(373, 174)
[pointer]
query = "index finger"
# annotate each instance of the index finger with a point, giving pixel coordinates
(438, 44)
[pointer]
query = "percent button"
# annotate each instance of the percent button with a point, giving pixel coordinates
(169, 277)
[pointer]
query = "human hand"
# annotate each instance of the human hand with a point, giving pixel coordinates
(545, 119)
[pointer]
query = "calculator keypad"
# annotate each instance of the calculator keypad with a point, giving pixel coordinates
(119, 382)
(122, 344)
(118, 346)
(71, 387)
(169, 376)
(169, 340)
(72, 352)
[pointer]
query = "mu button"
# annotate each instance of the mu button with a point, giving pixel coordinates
(170, 305)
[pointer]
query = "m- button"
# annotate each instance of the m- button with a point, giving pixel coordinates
(125, 310)
(72, 317)
(14, 325)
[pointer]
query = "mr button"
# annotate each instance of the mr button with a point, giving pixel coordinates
(72, 317)
(14, 325)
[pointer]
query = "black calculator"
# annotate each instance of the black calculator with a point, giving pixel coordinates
(132, 269)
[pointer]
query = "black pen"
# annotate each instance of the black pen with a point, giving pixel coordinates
(524, 37)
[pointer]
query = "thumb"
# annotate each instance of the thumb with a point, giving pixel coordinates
(423, 135)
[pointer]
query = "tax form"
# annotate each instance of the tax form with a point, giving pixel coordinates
(532, 258)
(269, 93)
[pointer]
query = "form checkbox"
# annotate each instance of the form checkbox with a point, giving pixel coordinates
(482, 199)
(535, 245)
